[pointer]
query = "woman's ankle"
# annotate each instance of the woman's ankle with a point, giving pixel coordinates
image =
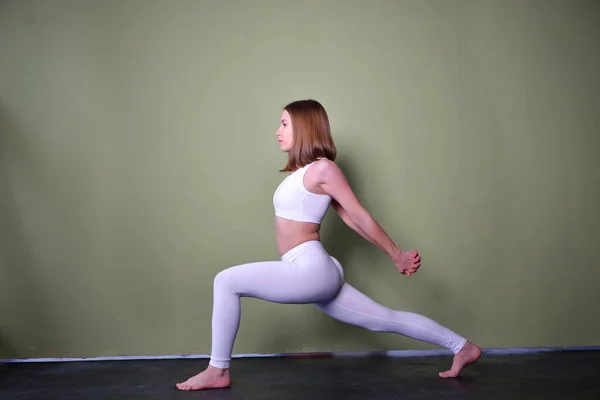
(217, 371)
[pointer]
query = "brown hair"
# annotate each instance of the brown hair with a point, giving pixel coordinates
(312, 134)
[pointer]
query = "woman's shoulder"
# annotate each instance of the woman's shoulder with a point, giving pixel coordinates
(325, 169)
(322, 163)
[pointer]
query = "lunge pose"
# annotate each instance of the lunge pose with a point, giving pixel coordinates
(306, 273)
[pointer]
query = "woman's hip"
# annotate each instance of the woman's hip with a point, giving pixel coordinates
(311, 255)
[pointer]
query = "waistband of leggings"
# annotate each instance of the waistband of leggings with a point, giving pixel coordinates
(293, 253)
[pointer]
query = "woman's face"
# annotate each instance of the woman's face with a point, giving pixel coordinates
(285, 133)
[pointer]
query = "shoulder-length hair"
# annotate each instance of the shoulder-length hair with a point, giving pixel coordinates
(311, 134)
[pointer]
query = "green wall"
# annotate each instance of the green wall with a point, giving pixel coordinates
(138, 159)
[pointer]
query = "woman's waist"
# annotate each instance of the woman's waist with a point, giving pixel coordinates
(285, 244)
(290, 234)
(288, 226)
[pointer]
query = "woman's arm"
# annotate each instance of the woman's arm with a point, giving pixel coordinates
(344, 216)
(333, 182)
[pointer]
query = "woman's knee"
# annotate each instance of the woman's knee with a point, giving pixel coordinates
(223, 279)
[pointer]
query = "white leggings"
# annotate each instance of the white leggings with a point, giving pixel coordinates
(308, 274)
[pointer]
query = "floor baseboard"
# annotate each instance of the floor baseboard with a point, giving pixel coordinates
(389, 353)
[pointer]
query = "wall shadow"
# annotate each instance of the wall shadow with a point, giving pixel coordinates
(342, 242)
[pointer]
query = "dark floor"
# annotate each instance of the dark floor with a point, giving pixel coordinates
(557, 375)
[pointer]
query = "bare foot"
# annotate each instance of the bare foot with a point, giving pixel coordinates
(467, 355)
(210, 378)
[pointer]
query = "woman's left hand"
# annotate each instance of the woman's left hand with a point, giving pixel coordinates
(407, 262)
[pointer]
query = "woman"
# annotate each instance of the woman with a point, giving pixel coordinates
(306, 273)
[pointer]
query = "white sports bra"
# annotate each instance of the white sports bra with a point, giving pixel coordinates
(293, 201)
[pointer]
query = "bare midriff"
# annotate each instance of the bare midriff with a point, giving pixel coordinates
(290, 234)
